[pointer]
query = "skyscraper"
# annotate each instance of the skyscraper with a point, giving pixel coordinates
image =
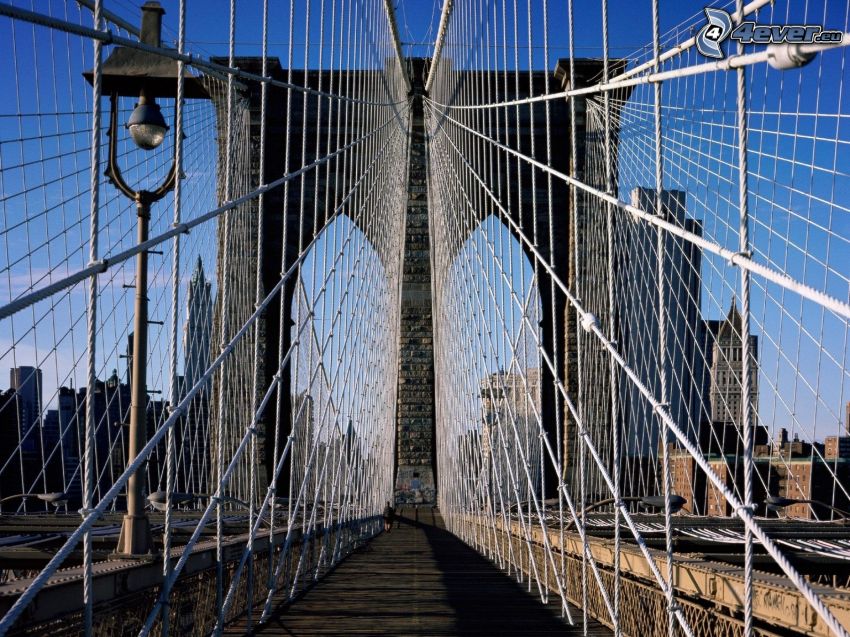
(70, 434)
(111, 410)
(679, 276)
(724, 349)
(198, 327)
(510, 432)
(27, 383)
(847, 418)
(11, 479)
(193, 436)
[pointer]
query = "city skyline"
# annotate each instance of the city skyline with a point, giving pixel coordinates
(51, 433)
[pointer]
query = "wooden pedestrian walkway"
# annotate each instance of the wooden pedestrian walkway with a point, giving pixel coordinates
(418, 580)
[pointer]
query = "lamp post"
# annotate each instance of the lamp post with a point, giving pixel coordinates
(677, 502)
(132, 72)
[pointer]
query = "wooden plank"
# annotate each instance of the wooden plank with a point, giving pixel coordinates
(418, 580)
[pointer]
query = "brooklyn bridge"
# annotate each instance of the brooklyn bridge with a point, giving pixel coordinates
(416, 318)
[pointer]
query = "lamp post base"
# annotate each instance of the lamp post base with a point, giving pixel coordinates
(135, 541)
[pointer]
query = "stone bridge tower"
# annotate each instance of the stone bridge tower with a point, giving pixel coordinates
(415, 472)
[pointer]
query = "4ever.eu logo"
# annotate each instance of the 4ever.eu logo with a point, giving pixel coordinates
(719, 28)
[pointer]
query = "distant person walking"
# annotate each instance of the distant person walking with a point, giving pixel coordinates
(389, 516)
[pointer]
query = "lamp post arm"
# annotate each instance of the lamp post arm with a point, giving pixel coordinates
(779, 502)
(55, 498)
(113, 172)
(601, 503)
(17, 496)
(842, 513)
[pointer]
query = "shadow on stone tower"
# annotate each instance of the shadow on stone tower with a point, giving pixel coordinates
(415, 471)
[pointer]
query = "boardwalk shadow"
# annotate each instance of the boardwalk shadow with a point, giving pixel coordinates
(418, 580)
(485, 600)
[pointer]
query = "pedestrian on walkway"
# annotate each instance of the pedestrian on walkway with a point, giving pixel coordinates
(389, 515)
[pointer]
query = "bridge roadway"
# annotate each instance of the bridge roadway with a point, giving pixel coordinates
(418, 580)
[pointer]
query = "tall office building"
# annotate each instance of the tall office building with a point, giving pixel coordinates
(10, 417)
(193, 447)
(198, 327)
(847, 418)
(27, 383)
(111, 410)
(725, 359)
(23, 437)
(511, 431)
(70, 432)
(640, 274)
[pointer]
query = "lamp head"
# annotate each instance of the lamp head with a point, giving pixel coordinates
(659, 502)
(126, 70)
(775, 502)
(146, 124)
(159, 499)
(56, 498)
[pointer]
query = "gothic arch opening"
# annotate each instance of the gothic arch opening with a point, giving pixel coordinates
(488, 369)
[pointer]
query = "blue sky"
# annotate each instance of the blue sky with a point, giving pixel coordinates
(782, 142)
(631, 26)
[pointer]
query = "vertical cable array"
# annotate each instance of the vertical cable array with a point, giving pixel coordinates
(662, 322)
(645, 267)
(577, 285)
(608, 158)
(256, 382)
(747, 358)
(224, 314)
(174, 381)
(216, 455)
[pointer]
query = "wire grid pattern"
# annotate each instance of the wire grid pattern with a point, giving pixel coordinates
(669, 306)
(625, 300)
(45, 173)
(213, 409)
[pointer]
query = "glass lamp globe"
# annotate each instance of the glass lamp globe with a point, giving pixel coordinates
(147, 125)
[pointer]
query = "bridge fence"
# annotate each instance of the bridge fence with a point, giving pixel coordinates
(645, 252)
(290, 456)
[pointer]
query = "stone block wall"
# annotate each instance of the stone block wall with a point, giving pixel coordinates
(415, 480)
